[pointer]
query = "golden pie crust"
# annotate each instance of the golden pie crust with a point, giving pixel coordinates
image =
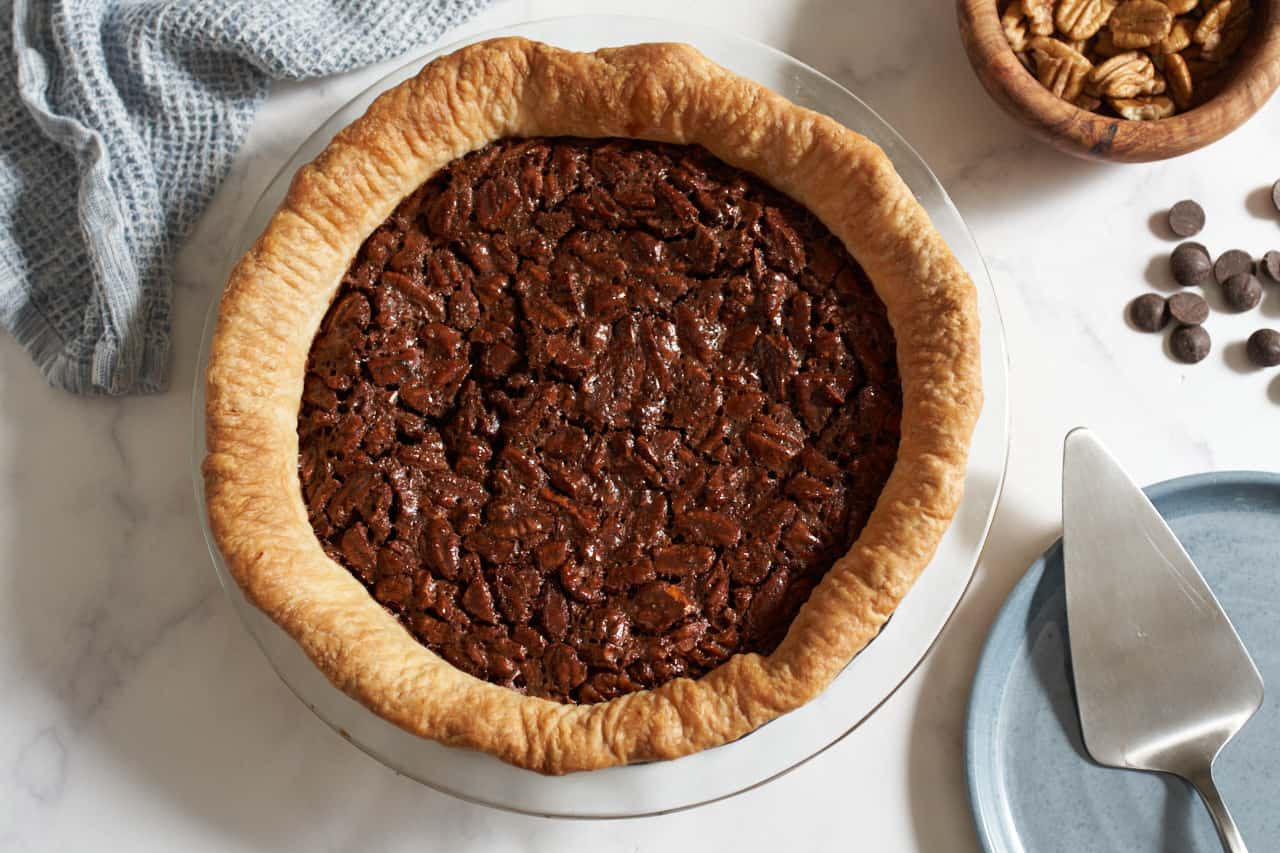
(279, 293)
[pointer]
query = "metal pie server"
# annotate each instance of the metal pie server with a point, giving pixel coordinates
(1162, 679)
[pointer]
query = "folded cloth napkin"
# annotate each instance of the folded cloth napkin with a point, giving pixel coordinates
(118, 120)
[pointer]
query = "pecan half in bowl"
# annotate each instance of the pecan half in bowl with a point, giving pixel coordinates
(1125, 80)
(588, 408)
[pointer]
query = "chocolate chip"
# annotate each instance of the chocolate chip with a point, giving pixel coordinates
(1264, 348)
(1232, 262)
(1189, 309)
(1149, 312)
(1186, 218)
(1190, 344)
(1242, 291)
(1191, 265)
(1269, 267)
(1275, 194)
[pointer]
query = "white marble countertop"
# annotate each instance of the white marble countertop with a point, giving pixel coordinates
(136, 713)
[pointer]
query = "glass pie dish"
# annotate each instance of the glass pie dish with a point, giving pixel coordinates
(874, 674)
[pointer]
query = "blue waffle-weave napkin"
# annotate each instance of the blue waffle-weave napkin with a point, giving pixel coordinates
(118, 120)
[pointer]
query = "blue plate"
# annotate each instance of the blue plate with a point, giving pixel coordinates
(1032, 785)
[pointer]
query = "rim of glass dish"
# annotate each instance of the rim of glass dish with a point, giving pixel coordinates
(244, 239)
(984, 799)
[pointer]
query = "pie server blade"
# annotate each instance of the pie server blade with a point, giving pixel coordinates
(1162, 679)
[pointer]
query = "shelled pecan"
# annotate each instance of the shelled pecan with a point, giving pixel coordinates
(1121, 57)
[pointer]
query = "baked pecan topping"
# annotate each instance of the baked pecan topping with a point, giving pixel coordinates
(588, 416)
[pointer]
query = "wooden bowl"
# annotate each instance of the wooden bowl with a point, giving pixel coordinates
(1254, 75)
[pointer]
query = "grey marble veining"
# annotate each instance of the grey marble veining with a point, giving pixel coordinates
(137, 713)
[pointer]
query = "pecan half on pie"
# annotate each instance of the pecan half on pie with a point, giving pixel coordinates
(589, 408)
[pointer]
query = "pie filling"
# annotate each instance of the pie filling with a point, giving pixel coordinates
(590, 415)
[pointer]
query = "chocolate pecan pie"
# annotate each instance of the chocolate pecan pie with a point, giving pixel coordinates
(588, 408)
